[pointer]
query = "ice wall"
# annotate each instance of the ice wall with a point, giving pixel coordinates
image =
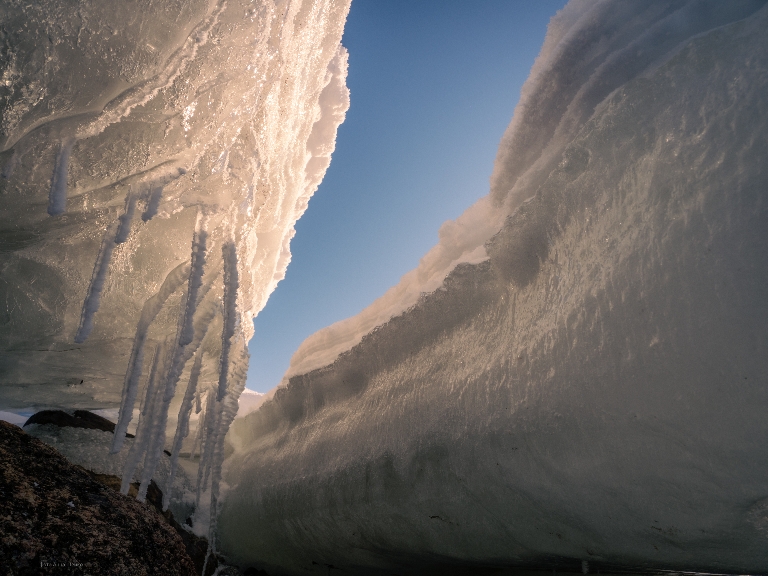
(592, 48)
(155, 156)
(593, 390)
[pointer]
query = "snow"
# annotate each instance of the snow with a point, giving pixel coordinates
(249, 401)
(13, 418)
(573, 376)
(589, 392)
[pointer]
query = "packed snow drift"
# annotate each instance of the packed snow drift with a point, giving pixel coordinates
(155, 157)
(576, 376)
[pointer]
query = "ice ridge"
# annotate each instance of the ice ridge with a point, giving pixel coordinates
(622, 41)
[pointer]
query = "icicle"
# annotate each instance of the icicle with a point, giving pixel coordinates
(200, 427)
(130, 389)
(206, 436)
(207, 557)
(99, 277)
(131, 383)
(206, 315)
(187, 341)
(210, 441)
(182, 428)
(195, 281)
(139, 443)
(153, 203)
(117, 234)
(232, 372)
(57, 197)
(231, 285)
(124, 228)
(157, 431)
(227, 410)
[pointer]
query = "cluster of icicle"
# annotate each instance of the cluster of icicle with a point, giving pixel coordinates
(216, 405)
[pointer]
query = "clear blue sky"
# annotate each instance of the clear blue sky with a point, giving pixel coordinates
(433, 86)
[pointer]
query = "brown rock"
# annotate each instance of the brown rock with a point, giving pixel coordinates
(80, 419)
(56, 519)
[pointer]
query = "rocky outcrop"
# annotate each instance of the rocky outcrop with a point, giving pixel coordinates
(80, 419)
(205, 563)
(196, 546)
(55, 518)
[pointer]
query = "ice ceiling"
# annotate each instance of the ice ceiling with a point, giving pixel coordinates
(126, 130)
(155, 157)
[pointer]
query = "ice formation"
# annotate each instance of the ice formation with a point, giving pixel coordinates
(214, 121)
(586, 388)
(545, 121)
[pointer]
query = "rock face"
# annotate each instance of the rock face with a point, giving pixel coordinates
(56, 519)
(196, 546)
(595, 391)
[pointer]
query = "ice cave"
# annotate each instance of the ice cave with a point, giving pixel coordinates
(574, 378)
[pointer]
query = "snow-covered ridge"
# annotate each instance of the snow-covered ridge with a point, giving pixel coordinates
(591, 49)
(249, 401)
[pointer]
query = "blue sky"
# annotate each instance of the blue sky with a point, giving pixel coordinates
(433, 86)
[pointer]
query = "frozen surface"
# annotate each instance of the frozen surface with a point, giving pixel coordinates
(105, 116)
(155, 157)
(594, 388)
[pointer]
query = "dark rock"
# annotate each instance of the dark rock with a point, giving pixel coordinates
(196, 546)
(55, 518)
(81, 419)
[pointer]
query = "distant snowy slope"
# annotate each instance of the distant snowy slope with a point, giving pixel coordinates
(248, 402)
(593, 389)
(13, 418)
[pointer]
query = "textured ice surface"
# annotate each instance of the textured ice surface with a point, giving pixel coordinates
(591, 48)
(212, 120)
(164, 109)
(595, 390)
